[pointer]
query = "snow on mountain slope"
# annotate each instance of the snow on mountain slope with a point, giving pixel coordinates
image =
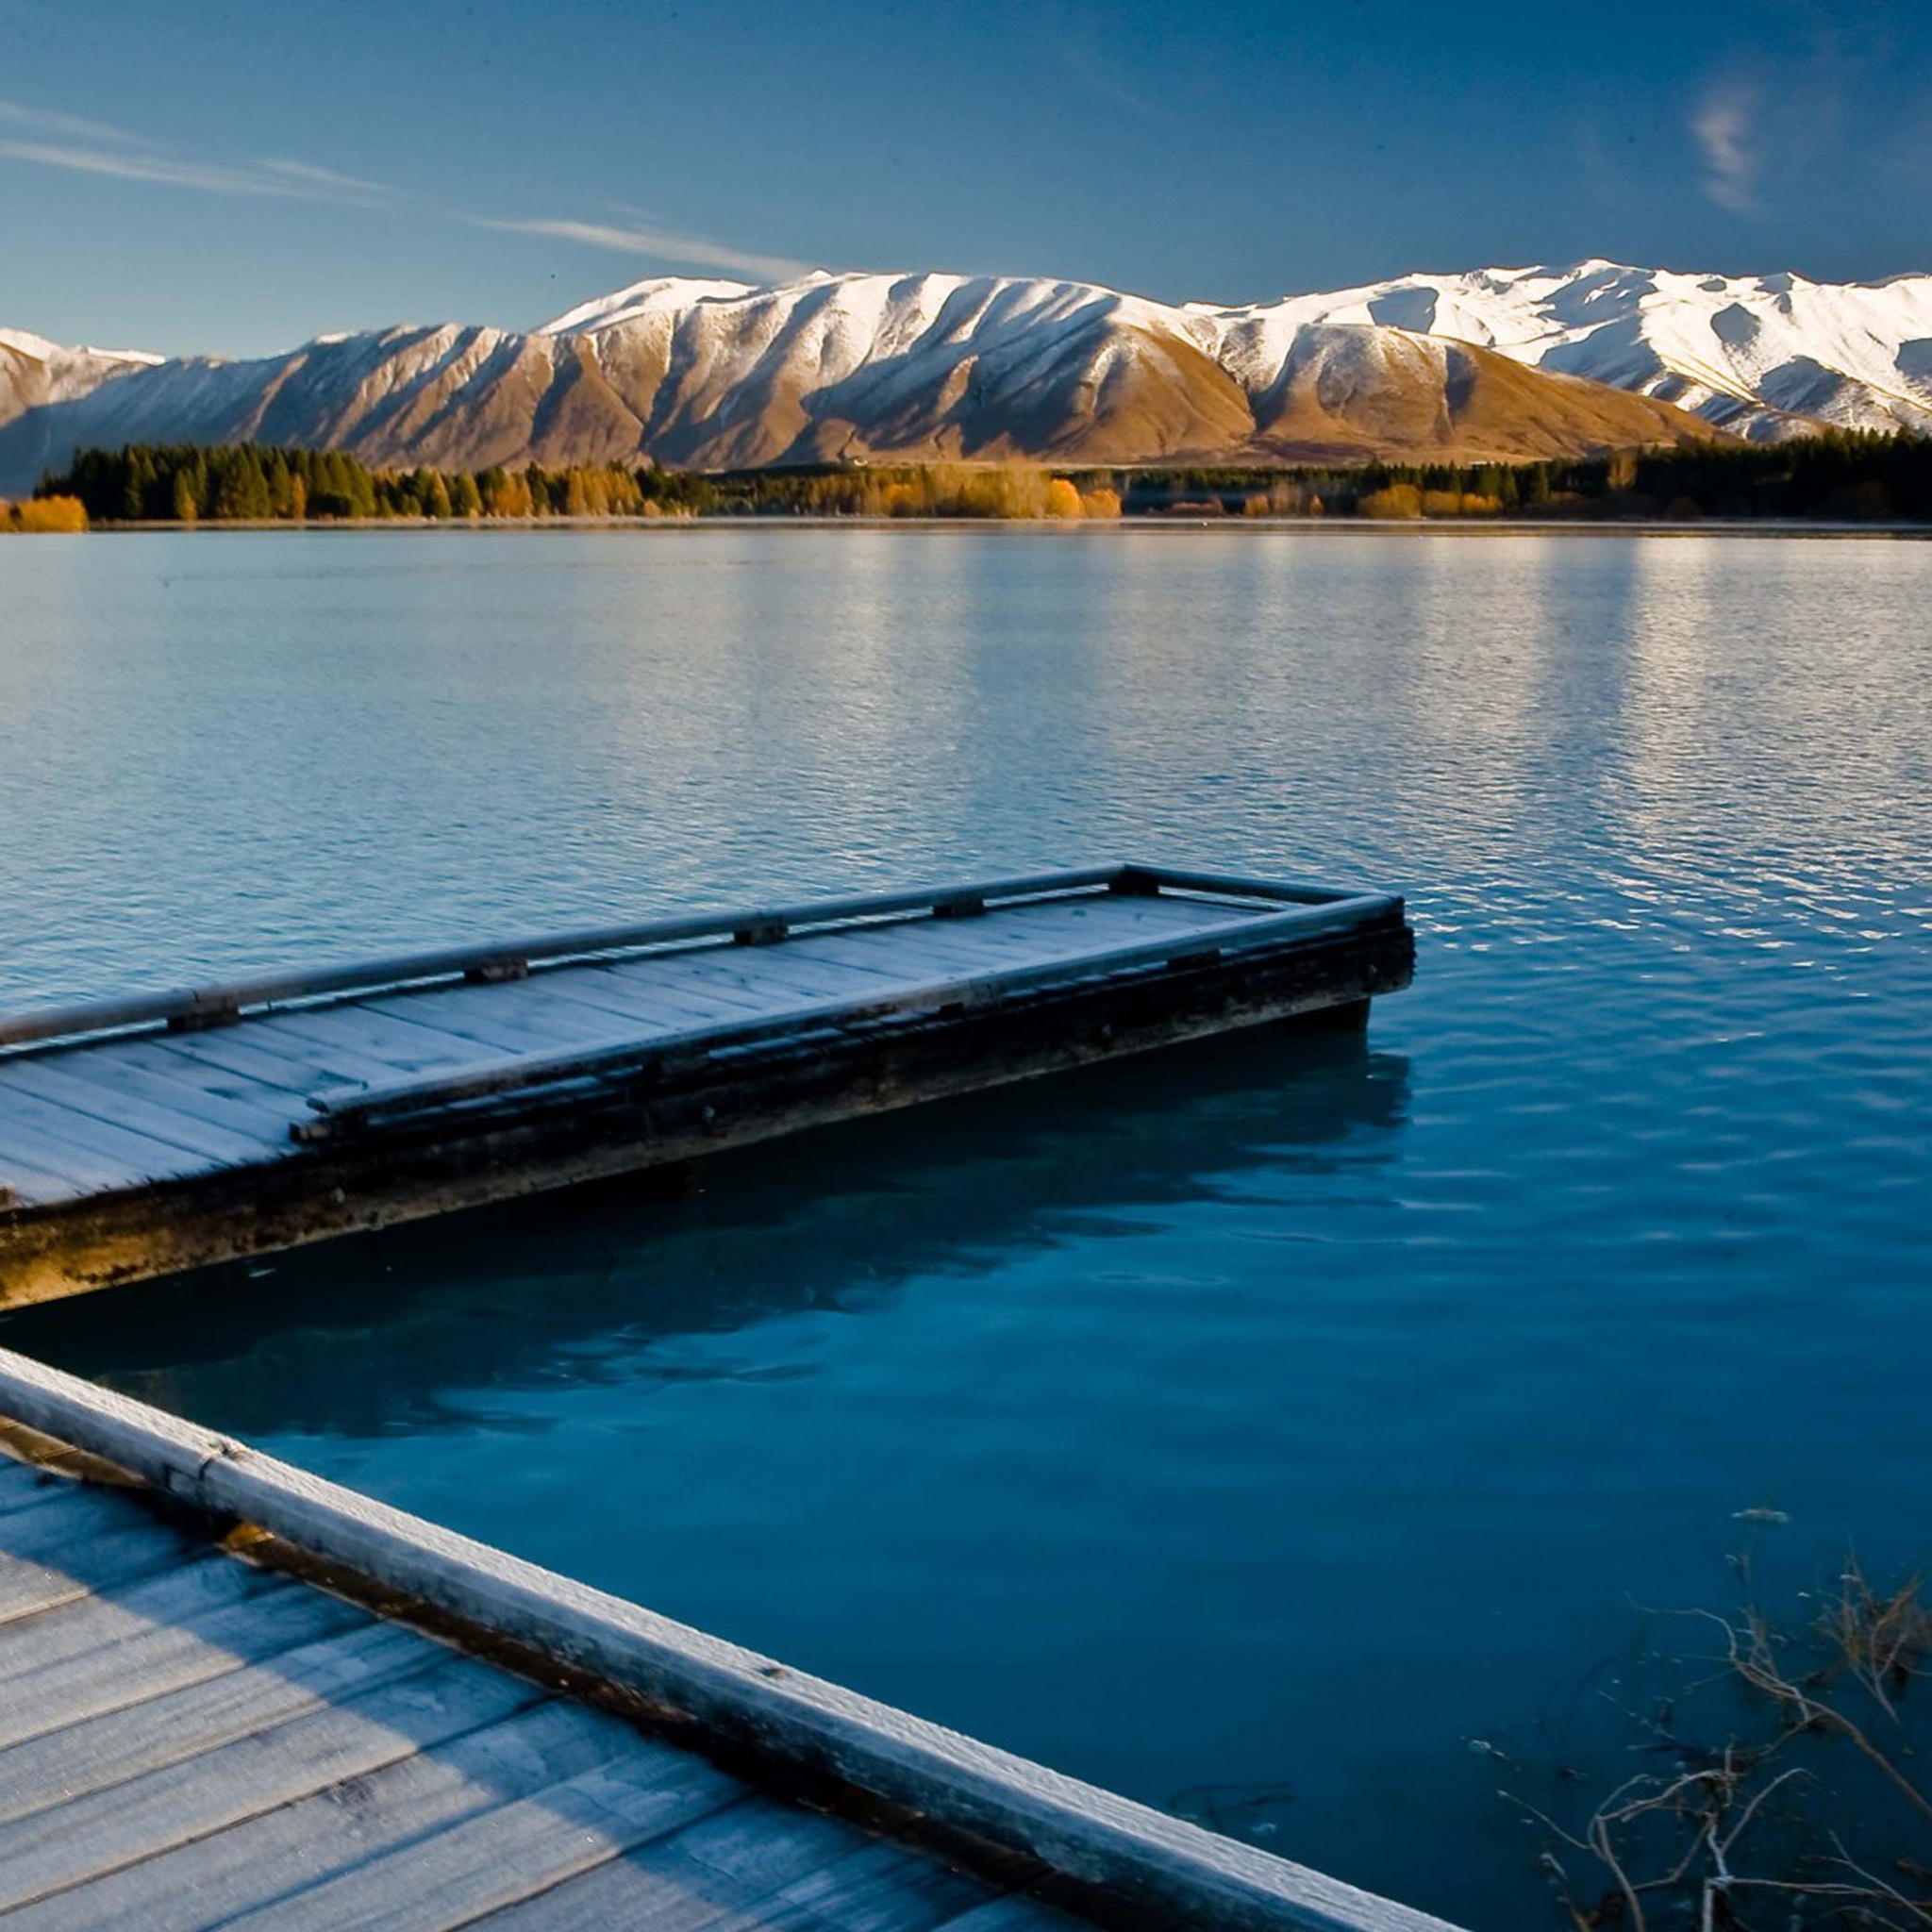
(34, 371)
(716, 374)
(712, 374)
(1763, 356)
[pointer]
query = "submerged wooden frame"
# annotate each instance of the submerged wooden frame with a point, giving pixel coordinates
(402, 1150)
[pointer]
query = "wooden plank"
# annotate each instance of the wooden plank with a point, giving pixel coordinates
(25, 1151)
(165, 1657)
(60, 1766)
(688, 976)
(178, 1594)
(858, 953)
(194, 1002)
(21, 1484)
(1096, 1837)
(243, 1052)
(28, 1182)
(514, 1018)
(88, 1511)
(357, 1026)
(140, 1815)
(36, 1579)
(933, 951)
(126, 1107)
(755, 1866)
(506, 1854)
(265, 1859)
(146, 1067)
(787, 973)
(1108, 922)
(29, 1588)
(48, 1495)
(639, 997)
(110, 1156)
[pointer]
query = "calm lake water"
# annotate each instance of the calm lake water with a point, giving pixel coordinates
(1250, 1428)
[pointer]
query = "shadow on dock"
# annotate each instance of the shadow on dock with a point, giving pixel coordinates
(358, 1335)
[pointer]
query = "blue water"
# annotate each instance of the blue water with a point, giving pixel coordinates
(1249, 1428)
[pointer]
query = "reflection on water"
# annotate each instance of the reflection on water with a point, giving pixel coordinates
(366, 1336)
(1248, 1429)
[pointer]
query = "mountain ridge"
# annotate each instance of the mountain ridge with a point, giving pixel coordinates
(704, 372)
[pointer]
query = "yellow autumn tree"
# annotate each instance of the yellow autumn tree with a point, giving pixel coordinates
(1062, 499)
(1397, 502)
(44, 515)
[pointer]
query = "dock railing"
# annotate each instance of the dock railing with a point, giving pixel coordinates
(216, 1005)
(1163, 1870)
(372, 1104)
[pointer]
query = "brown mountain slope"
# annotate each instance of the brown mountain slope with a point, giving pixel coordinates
(913, 368)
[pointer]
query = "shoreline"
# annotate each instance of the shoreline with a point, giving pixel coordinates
(1323, 526)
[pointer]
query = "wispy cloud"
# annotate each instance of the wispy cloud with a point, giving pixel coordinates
(49, 140)
(1078, 40)
(656, 244)
(166, 171)
(66, 126)
(306, 174)
(1724, 124)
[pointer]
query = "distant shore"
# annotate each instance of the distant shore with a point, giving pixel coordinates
(1124, 526)
(1832, 480)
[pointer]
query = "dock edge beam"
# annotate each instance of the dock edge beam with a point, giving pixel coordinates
(1151, 1863)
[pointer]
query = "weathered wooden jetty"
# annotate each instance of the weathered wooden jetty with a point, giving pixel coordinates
(233, 1694)
(142, 1136)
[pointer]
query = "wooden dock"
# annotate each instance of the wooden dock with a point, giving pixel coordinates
(232, 1695)
(140, 1137)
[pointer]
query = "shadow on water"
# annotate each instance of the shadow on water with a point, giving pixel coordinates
(360, 1336)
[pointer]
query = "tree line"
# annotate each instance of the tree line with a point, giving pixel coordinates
(1839, 476)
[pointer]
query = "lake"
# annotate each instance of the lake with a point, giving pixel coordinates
(1277, 1431)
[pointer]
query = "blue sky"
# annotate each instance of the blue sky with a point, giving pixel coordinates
(237, 178)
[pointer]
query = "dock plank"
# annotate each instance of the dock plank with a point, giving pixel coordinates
(58, 1767)
(502, 1857)
(148, 1069)
(138, 1816)
(247, 1054)
(180, 1594)
(77, 1086)
(21, 1484)
(647, 997)
(116, 1156)
(624, 1011)
(59, 1555)
(261, 1861)
(757, 1867)
(533, 1022)
(356, 1025)
(168, 1657)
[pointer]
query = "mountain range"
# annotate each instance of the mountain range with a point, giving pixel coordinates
(717, 374)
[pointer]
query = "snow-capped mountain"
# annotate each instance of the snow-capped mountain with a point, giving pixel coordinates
(1762, 356)
(34, 371)
(923, 367)
(1505, 363)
